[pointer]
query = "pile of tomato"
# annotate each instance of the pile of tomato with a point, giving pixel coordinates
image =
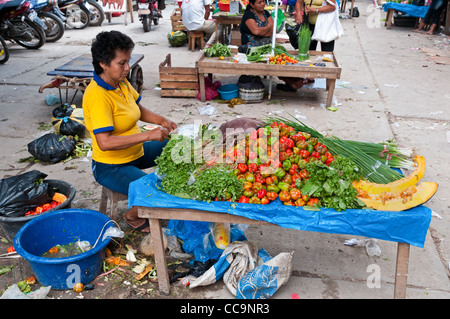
(57, 199)
(282, 59)
(273, 164)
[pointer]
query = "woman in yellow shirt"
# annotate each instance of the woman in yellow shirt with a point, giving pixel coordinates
(112, 110)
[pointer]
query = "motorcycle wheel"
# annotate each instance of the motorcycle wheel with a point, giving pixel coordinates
(55, 27)
(97, 13)
(146, 22)
(4, 51)
(78, 16)
(137, 78)
(36, 36)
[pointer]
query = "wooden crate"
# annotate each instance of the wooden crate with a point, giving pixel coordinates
(177, 20)
(177, 81)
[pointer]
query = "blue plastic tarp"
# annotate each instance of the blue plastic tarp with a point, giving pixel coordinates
(409, 226)
(415, 11)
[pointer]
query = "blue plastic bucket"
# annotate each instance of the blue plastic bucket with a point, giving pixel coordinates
(63, 227)
(228, 91)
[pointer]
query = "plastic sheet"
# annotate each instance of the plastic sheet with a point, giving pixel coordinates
(408, 226)
(415, 11)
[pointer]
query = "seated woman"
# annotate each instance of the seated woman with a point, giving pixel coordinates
(112, 110)
(256, 30)
(256, 25)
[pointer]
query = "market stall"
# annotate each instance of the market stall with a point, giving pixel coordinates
(412, 10)
(306, 186)
(317, 67)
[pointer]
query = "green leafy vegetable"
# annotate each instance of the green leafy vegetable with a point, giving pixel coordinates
(332, 184)
(217, 50)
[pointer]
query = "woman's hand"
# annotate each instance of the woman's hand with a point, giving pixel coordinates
(168, 125)
(309, 9)
(298, 17)
(157, 134)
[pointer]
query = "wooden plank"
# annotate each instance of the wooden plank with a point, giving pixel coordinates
(197, 215)
(179, 93)
(179, 85)
(401, 270)
(178, 77)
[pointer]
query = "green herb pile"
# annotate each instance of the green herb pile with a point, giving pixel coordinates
(257, 54)
(333, 184)
(218, 50)
(185, 174)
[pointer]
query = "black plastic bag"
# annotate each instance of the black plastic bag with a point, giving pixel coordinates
(250, 82)
(52, 147)
(292, 32)
(68, 120)
(21, 193)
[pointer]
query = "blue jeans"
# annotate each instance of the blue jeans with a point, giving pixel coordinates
(118, 177)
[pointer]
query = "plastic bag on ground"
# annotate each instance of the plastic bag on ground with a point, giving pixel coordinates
(263, 281)
(236, 260)
(198, 239)
(210, 89)
(68, 120)
(13, 292)
(52, 147)
(21, 193)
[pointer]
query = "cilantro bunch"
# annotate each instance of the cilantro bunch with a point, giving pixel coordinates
(333, 184)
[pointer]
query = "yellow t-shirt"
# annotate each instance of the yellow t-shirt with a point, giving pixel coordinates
(109, 109)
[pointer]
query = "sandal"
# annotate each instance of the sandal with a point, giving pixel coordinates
(143, 226)
(285, 87)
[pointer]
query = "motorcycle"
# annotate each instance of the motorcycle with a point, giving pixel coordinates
(4, 51)
(17, 23)
(148, 13)
(97, 13)
(51, 16)
(76, 13)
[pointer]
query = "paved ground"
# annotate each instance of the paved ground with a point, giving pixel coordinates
(389, 88)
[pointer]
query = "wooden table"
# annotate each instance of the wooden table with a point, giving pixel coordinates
(227, 21)
(155, 215)
(331, 71)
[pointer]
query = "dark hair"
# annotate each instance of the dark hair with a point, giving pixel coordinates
(248, 7)
(104, 47)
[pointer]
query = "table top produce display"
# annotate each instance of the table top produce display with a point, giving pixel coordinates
(296, 167)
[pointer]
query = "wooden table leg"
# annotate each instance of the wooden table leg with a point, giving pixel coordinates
(401, 270)
(331, 83)
(351, 9)
(389, 16)
(201, 80)
(160, 256)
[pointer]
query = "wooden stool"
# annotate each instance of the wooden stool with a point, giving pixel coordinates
(114, 199)
(193, 37)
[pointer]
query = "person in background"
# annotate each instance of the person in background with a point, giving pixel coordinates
(112, 109)
(161, 7)
(256, 25)
(433, 15)
(313, 9)
(256, 30)
(195, 14)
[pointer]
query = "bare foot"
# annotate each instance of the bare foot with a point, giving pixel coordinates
(429, 32)
(417, 30)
